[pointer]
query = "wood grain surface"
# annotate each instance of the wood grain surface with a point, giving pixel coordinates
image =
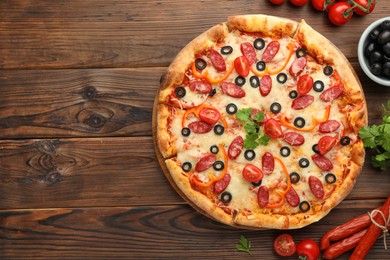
(79, 178)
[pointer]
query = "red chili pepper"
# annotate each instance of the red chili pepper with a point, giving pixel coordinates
(354, 225)
(344, 245)
(372, 234)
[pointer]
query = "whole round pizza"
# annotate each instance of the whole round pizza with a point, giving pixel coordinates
(256, 123)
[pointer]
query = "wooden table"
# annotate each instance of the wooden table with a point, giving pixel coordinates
(78, 172)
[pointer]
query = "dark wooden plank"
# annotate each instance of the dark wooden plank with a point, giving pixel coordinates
(148, 232)
(85, 34)
(98, 172)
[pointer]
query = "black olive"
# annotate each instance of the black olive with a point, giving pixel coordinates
(299, 122)
(304, 206)
(386, 69)
(345, 140)
(187, 166)
(218, 129)
(374, 34)
(328, 70)
(226, 197)
(259, 44)
(330, 178)
(180, 92)
(294, 177)
(386, 49)
(318, 86)
(293, 94)
(200, 64)
(275, 107)
(185, 131)
(260, 66)
(376, 56)
(385, 25)
(315, 148)
(376, 68)
(384, 37)
(240, 81)
(249, 155)
(304, 163)
(214, 149)
(285, 151)
(281, 78)
(256, 184)
(212, 92)
(226, 50)
(301, 52)
(255, 81)
(218, 166)
(370, 48)
(231, 109)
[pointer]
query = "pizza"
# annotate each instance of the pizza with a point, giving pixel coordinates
(256, 123)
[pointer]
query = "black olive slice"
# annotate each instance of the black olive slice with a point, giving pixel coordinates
(328, 70)
(225, 50)
(315, 148)
(318, 86)
(231, 109)
(219, 130)
(180, 92)
(218, 166)
(185, 131)
(275, 107)
(226, 197)
(257, 184)
(330, 178)
(304, 206)
(299, 122)
(345, 140)
(259, 44)
(260, 66)
(187, 166)
(304, 163)
(249, 155)
(281, 78)
(293, 94)
(255, 81)
(301, 52)
(200, 64)
(295, 177)
(285, 151)
(214, 149)
(240, 81)
(212, 92)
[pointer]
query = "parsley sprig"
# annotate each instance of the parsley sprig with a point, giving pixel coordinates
(254, 136)
(244, 245)
(377, 137)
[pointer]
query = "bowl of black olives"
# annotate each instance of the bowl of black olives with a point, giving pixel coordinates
(374, 51)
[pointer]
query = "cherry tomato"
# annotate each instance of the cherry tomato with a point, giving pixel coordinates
(299, 2)
(325, 144)
(276, 2)
(284, 245)
(241, 65)
(338, 13)
(305, 84)
(322, 5)
(308, 248)
(209, 115)
(252, 173)
(272, 128)
(364, 4)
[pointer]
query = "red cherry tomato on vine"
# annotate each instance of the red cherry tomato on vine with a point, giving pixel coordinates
(308, 248)
(276, 2)
(284, 245)
(299, 2)
(366, 4)
(340, 13)
(322, 5)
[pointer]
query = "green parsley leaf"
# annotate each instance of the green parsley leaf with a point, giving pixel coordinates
(244, 114)
(244, 245)
(251, 141)
(250, 128)
(264, 140)
(253, 136)
(259, 116)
